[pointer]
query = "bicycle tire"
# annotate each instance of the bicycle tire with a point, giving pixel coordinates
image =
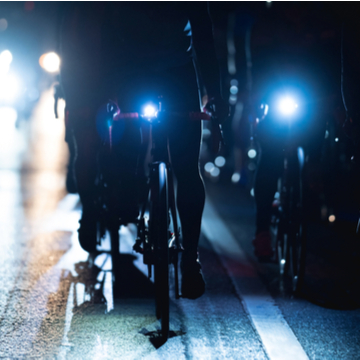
(282, 248)
(159, 234)
(297, 243)
(280, 228)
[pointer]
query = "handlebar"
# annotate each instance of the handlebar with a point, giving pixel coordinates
(218, 139)
(190, 115)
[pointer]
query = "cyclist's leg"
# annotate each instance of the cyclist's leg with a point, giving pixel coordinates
(81, 109)
(184, 139)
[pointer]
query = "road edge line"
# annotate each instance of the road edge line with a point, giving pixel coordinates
(278, 339)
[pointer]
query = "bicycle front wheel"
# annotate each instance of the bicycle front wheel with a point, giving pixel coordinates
(159, 235)
(298, 245)
(297, 234)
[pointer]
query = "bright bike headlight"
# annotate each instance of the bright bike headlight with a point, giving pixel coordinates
(149, 111)
(287, 106)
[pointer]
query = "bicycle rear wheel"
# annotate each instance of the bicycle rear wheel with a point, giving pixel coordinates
(159, 234)
(282, 247)
(297, 243)
(280, 229)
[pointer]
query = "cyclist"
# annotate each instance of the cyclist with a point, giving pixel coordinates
(130, 52)
(280, 44)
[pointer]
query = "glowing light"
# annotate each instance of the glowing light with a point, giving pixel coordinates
(209, 167)
(282, 261)
(235, 177)
(336, 139)
(252, 192)
(287, 106)
(50, 62)
(150, 111)
(5, 61)
(220, 161)
(332, 218)
(9, 88)
(9, 115)
(6, 57)
(252, 153)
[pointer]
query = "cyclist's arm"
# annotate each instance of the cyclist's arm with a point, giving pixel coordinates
(204, 48)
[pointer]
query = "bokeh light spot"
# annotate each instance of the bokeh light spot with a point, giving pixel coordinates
(50, 62)
(220, 161)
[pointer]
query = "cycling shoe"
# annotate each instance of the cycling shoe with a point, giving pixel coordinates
(193, 283)
(88, 233)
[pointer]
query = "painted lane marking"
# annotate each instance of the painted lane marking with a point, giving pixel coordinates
(278, 339)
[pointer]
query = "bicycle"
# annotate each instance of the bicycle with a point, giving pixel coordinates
(288, 225)
(158, 238)
(288, 222)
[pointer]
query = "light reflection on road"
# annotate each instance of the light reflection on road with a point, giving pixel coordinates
(45, 296)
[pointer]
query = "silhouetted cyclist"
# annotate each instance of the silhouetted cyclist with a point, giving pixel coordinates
(275, 46)
(131, 52)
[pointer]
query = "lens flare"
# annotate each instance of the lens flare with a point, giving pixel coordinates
(150, 111)
(287, 106)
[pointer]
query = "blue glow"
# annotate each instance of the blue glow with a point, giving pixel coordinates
(150, 111)
(287, 105)
(301, 156)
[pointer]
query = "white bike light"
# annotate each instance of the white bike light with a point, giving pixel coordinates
(150, 111)
(287, 106)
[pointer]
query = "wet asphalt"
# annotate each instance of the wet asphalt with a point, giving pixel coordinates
(55, 305)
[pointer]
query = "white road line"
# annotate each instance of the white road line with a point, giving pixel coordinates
(278, 339)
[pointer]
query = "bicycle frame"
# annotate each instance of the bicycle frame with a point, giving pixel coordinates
(290, 235)
(161, 161)
(155, 242)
